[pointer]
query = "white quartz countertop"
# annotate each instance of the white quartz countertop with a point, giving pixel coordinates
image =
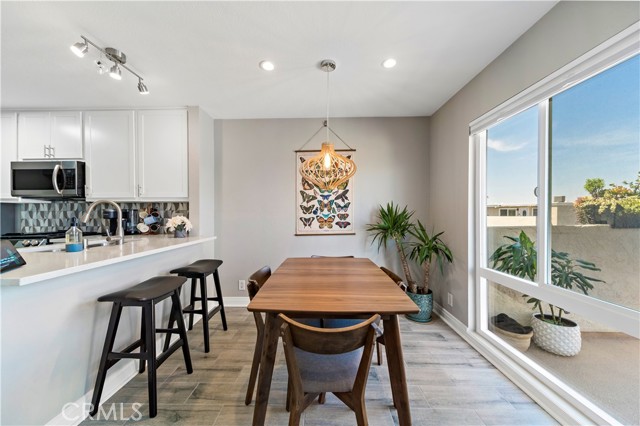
(44, 265)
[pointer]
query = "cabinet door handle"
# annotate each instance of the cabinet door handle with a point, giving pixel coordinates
(139, 190)
(45, 155)
(53, 151)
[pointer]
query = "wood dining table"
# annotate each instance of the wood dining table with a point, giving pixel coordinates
(332, 288)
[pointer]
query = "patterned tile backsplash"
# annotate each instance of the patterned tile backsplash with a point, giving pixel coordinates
(56, 216)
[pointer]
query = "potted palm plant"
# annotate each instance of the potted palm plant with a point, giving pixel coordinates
(425, 248)
(551, 331)
(393, 225)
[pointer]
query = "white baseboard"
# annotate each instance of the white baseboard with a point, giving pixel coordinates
(73, 413)
(236, 302)
(563, 408)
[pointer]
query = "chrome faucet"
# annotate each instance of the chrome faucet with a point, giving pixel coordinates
(120, 229)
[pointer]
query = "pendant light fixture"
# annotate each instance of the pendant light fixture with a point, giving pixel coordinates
(328, 169)
(114, 55)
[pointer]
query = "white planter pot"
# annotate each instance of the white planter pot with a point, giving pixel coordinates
(562, 340)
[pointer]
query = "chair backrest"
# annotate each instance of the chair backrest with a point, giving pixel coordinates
(329, 341)
(396, 278)
(257, 280)
(315, 256)
(261, 275)
(327, 359)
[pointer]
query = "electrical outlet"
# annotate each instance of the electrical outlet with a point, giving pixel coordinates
(242, 284)
(450, 299)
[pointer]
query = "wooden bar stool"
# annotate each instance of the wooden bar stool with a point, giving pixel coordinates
(145, 295)
(199, 270)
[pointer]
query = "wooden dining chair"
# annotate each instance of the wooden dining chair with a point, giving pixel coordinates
(396, 278)
(255, 282)
(333, 360)
(400, 283)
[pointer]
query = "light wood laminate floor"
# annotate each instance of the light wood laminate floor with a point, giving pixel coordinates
(449, 384)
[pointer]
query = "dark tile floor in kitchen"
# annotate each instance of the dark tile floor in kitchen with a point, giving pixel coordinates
(449, 384)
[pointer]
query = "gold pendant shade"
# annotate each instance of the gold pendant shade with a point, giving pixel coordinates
(328, 169)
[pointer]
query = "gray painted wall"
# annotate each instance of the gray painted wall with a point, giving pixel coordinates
(569, 30)
(255, 188)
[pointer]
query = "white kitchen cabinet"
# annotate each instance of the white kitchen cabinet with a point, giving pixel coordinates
(109, 138)
(46, 135)
(8, 153)
(163, 162)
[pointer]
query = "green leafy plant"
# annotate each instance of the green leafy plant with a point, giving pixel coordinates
(595, 187)
(619, 205)
(519, 258)
(393, 225)
(424, 249)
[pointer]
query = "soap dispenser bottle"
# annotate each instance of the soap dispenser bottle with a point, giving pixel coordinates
(73, 237)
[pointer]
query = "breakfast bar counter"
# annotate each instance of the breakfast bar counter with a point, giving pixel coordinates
(53, 326)
(45, 264)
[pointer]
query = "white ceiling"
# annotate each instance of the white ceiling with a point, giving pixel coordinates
(207, 53)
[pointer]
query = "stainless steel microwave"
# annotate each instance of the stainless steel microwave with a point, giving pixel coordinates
(48, 179)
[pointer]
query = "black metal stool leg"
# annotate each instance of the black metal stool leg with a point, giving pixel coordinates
(148, 311)
(205, 312)
(182, 331)
(167, 338)
(143, 343)
(114, 320)
(216, 281)
(193, 302)
(172, 320)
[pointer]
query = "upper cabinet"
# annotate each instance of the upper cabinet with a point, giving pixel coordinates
(46, 135)
(109, 138)
(163, 162)
(140, 155)
(8, 153)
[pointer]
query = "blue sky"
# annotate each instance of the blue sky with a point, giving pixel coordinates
(595, 134)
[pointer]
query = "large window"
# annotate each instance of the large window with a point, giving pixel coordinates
(558, 230)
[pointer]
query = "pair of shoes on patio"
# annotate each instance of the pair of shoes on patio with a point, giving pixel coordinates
(504, 322)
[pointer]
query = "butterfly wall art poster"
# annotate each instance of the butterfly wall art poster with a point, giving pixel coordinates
(320, 212)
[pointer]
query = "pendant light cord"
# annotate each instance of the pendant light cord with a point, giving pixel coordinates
(326, 123)
(328, 97)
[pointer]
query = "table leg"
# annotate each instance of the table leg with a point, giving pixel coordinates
(267, 361)
(395, 362)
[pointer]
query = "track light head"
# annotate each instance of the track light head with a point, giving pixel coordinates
(142, 88)
(80, 48)
(115, 72)
(102, 68)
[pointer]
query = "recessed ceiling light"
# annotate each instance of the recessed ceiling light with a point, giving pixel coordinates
(389, 63)
(267, 65)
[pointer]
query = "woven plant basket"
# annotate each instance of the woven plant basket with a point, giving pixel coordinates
(564, 340)
(519, 341)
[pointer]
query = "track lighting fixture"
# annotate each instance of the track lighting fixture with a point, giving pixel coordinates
(142, 88)
(114, 55)
(102, 68)
(80, 48)
(115, 72)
